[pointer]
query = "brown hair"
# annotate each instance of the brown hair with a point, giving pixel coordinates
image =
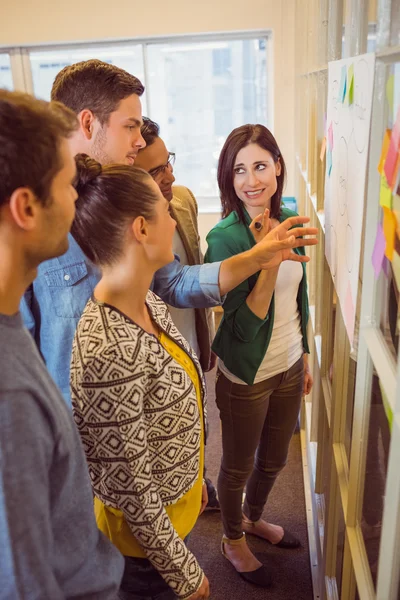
(96, 86)
(30, 135)
(150, 131)
(109, 197)
(238, 139)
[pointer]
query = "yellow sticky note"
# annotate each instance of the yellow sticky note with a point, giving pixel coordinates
(350, 85)
(389, 230)
(323, 149)
(385, 197)
(384, 151)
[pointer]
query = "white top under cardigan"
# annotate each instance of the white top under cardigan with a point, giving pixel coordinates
(286, 344)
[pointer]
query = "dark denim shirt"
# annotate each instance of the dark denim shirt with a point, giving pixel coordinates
(53, 304)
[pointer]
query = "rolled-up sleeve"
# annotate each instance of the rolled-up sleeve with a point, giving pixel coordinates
(194, 286)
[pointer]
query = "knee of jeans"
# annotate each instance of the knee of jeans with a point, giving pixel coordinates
(268, 467)
(236, 477)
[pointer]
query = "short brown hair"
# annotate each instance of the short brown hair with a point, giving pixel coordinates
(108, 198)
(30, 135)
(96, 86)
(238, 139)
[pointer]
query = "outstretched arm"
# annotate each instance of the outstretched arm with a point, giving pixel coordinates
(202, 286)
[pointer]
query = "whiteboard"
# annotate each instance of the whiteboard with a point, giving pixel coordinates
(348, 129)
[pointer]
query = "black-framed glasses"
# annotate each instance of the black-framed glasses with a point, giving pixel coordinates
(158, 170)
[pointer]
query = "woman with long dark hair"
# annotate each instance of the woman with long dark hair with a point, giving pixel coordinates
(261, 344)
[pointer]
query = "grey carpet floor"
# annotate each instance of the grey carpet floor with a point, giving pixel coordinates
(286, 507)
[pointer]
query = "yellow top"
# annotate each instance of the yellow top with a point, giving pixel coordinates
(183, 514)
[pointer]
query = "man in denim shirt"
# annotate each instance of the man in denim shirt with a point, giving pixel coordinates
(106, 100)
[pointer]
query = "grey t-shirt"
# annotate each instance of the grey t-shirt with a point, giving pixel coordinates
(50, 547)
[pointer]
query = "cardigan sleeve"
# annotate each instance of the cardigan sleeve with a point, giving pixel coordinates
(243, 323)
(115, 442)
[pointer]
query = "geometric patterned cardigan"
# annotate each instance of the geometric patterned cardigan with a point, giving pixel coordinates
(137, 414)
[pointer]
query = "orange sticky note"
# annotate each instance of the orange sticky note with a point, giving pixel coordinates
(385, 197)
(323, 149)
(385, 148)
(389, 230)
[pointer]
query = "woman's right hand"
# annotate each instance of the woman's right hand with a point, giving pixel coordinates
(262, 219)
(202, 592)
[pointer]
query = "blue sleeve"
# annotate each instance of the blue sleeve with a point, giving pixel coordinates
(26, 541)
(27, 311)
(194, 286)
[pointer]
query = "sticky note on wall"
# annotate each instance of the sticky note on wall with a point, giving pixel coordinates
(329, 161)
(389, 230)
(343, 84)
(385, 198)
(350, 83)
(384, 151)
(392, 161)
(330, 136)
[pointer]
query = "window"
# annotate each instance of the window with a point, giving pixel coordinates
(198, 91)
(6, 80)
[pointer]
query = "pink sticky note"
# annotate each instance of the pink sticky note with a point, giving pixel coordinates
(378, 253)
(349, 314)
(330, 136)
(392, 161)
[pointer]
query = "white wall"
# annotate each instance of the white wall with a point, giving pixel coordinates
(35, 22)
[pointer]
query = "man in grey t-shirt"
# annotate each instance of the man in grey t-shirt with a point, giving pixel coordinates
(50, 546)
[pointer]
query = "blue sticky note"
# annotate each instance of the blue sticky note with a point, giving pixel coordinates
(343, 84)
(329, 161)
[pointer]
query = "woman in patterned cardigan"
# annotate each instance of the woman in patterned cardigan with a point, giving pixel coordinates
(137, 388)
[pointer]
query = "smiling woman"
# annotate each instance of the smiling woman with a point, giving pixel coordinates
(251, 172)
(261, 344)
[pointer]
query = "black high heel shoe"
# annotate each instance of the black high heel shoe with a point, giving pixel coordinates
(261, 576)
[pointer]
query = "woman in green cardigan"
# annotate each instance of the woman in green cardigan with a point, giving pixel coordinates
(261, 344)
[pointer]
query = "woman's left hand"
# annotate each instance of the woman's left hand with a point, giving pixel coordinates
(261, 225)
(204, 499)
(308, 378)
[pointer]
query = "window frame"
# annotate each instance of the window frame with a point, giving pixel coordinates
(22, 71)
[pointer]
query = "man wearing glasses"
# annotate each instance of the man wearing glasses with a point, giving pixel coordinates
(195, 324)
